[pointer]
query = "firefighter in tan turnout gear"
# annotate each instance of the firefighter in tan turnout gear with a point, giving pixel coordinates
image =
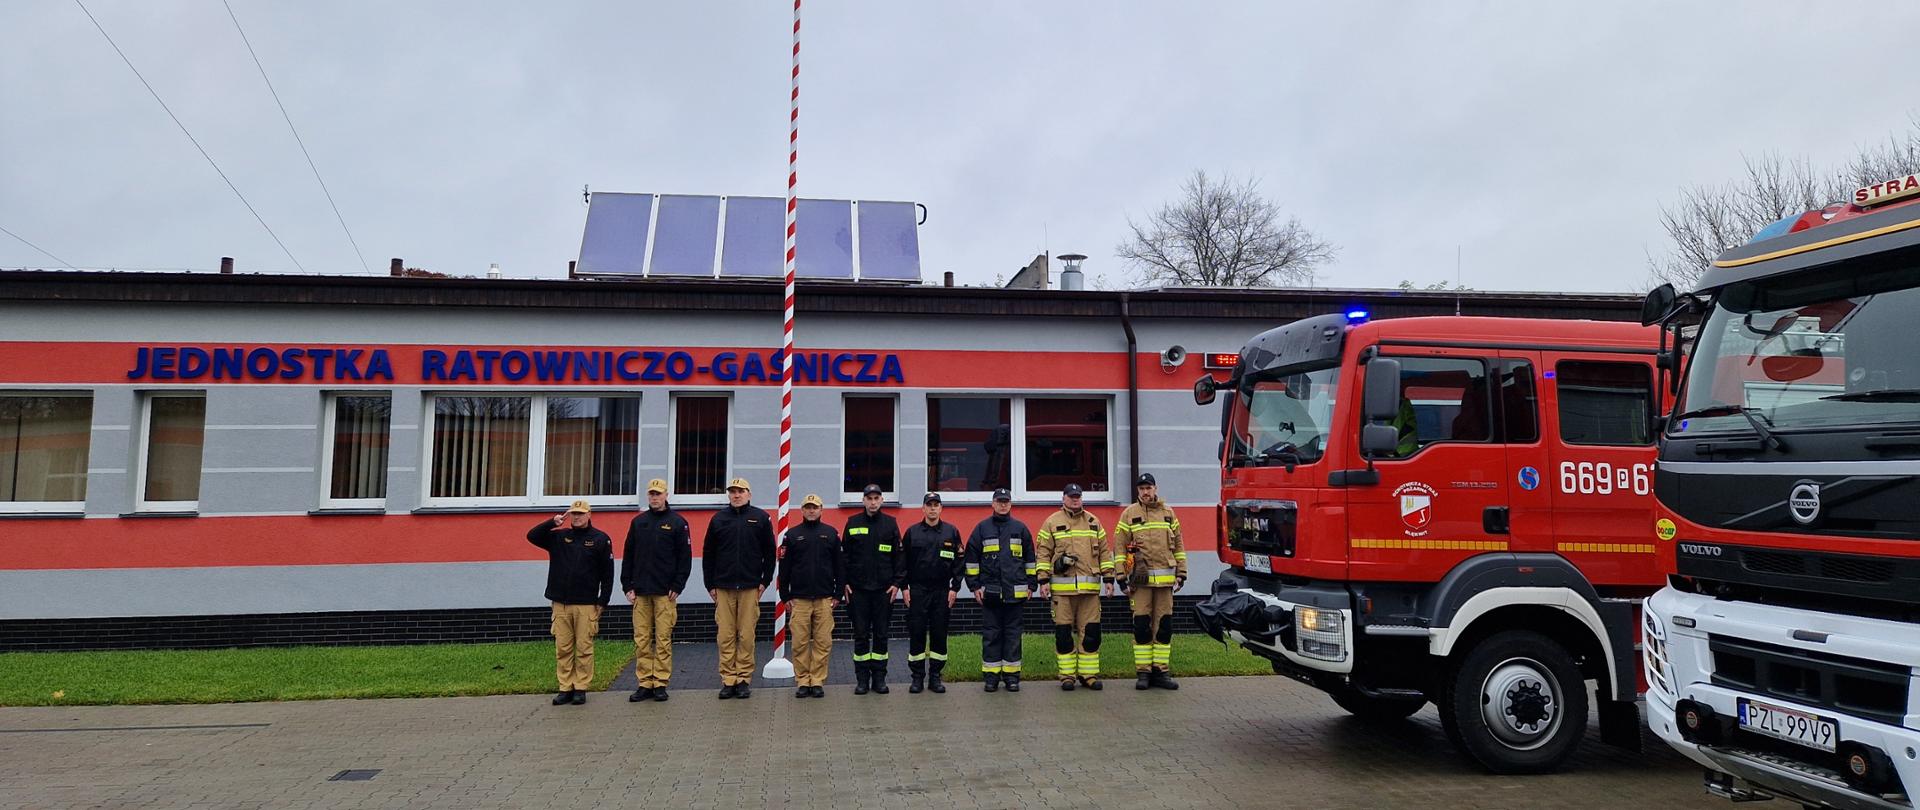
(1075, 569)
(1151, 564)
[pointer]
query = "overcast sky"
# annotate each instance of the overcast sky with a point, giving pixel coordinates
(1540, 139)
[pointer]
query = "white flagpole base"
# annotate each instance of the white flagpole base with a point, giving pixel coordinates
(777, 669)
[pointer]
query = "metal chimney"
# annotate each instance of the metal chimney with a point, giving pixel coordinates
(1071, 278)
(493, 270)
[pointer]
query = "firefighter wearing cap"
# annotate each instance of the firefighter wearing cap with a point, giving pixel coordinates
(736, 563)
(1075, 568)
(1001, 572)
(812, 574)
(1152, 564)
(579, 584)
(934, 565)
(876, 570)
(655, 564)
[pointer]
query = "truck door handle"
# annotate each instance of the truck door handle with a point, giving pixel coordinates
(1494, 520)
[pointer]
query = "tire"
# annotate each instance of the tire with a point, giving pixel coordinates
(1375, 709)
(1523, 671)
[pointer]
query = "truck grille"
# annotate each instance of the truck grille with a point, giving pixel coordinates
(1851, 569)
(1852, 686)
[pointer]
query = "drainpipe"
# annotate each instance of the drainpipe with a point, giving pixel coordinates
(1133, 398)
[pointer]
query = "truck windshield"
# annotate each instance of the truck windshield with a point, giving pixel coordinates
(1807, 353)
(1284, 419)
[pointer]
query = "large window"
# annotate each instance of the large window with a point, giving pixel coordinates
(1605, 403)
(868, 445)
(174, 432)
(1442, 399)
(702, 454)
(1282, 420)
(976, 444)
(357, 440)
(537, 450)
(43, 451)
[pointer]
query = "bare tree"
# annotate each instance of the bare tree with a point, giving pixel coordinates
(1709, 219)
(1223, 234)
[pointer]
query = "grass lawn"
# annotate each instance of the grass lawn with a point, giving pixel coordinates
(1192, 655)
(289, 673)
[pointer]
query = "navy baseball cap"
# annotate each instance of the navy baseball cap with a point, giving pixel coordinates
(932, 497)
(873, 489)
(1072, 491)
(1002, 494)
(1145, 480)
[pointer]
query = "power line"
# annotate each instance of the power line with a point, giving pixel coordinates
(183, 131)
(296, 137)
(43, 251)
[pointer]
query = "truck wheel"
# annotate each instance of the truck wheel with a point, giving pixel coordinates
(1517, 703)
(1374, 709)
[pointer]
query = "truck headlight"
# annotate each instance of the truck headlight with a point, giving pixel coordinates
(1320, 633)
(1653, 652)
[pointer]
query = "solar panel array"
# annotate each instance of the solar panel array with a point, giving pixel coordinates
(679, 235)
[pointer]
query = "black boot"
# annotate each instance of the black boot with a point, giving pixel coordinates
(1092, 683)
(659, 694)
(564, 697)
(993, 681)
(579, 697)
(1163, 679)
(1144, 680)
(933, 681)
(1013, 681)
(861, 677)
(726, 692)
(643, 693)
(878, 679)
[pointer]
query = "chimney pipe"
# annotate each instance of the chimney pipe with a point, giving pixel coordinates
(226, 265)
(493, 270)
(397, 268)
(1071, 278)
(949, 278)
(570, 269)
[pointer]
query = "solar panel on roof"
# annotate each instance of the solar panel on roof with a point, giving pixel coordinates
(683, 239)
(889, 241)
(826, 228)
(616, 237)
(756, 244)
(834, 239)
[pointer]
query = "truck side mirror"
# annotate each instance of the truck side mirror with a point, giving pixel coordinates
(1379, 440)
(1382, 401)
(1658, 303)
(1203, 389)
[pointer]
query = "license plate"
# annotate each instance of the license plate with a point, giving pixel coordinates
(1809, 730)
(1260, 563)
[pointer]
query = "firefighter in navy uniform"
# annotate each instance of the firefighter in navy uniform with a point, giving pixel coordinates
(1076, 567)
(736, 564)
(1152, 565)
(579, 584)
(1001, 572)
(653, 571)
(812, 576)
(876, 569)
(934, 560)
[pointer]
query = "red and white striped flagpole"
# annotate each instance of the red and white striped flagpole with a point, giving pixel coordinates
(779, 667)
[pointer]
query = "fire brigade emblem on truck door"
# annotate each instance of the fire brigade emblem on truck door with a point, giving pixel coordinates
(1416, 507)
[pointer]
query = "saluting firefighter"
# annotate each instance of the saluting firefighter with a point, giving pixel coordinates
(933, 581)
(812, 574)
(876, 569)
(1076, 568)
(654, 567)
(736, 562)
(1152, 565)
(579, 584)
(1001, 572)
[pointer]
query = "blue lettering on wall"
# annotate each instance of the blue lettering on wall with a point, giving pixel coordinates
(324, 364)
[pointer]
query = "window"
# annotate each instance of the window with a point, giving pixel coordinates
(1519, 403)
(43, 451)
(480, 446)
(175, 432)
(356, 458)
(1287, 419)
(1442, 399)
(593, 446)
(1605, 403)
(867, 450)
(971, 446)
(534, 450)
(702, 456)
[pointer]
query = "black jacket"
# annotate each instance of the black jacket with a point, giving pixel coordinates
(811, 566)
(579, 563)
(738, 551)
(933, 555)
(1000, 558)
(876, 559)
(658, 556)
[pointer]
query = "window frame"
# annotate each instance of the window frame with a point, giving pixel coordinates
(1017, 453)
(143, 450)
(535, 480)
(1494, 424)
(329, 411)
(54, 507)
(1559, 402)
(673, 448)
(891, 495)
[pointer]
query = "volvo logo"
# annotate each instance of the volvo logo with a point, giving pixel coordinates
(1804, 503)
(1698, 550)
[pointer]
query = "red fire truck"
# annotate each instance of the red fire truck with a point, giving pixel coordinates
(1446, 510)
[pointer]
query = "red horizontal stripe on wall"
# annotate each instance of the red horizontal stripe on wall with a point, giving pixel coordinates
(52, 544)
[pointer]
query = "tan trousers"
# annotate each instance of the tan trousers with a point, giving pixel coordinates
(812, 626)
(573, 629)
(653, 618)
(737, 611)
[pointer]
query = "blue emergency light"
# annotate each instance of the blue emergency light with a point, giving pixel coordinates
(1356, 315)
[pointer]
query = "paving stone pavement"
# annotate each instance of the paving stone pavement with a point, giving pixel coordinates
(1218, 742)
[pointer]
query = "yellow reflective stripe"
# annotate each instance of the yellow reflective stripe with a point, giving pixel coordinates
(1608, 548)
(1125, 527)
(1180, 555)
(973, 569)
(936, 656)
(1156, 580)
(1020, 592)
(884, 548)
(946, 554)
(1432, 545)
(1017, 548)
(988, 548)
(856, 531)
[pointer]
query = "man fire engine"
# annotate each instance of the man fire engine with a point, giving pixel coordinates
(1782, 654)
(1445, 510)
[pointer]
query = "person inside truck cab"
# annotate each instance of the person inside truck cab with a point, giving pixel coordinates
(1408, 427)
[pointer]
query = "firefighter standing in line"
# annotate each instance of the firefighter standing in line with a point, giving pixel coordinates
(1076, 568)
(1001, 569)
(736, 562)
(933, 581)
(654, 567)
(876, 568)
(1152, 564)
(579, 584)
(812, 576)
